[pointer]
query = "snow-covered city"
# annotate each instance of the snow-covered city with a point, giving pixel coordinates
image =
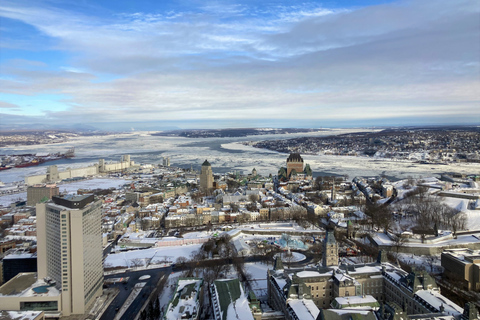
(197, 244)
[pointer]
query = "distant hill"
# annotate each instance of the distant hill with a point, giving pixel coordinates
(230, 133)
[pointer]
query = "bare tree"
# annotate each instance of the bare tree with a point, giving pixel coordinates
(431, 261)
(379, 215)
(288, 257)
(398, 243)
(135, 263)
(181, 260)
(458, 221)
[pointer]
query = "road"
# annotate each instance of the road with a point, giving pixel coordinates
(155, 275)
(136, 305)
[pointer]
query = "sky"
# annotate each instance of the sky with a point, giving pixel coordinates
(121, 64)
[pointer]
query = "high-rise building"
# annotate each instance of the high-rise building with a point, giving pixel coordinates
(69, 242)
(41, 192)
(206, 177)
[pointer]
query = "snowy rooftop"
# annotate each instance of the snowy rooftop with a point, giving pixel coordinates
(304, 309)
(356, 299)
(366, 269)
(464, 254)
(185, 301)
(232, 300)
(22, 285)
(435, 299)
(21, 255)
(308, 274)
(20, 315)
(358, 302)
(280, 280)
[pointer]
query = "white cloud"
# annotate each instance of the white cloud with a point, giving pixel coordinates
(405, 59)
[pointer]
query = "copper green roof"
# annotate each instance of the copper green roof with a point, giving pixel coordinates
(206, 163)
(228, 291)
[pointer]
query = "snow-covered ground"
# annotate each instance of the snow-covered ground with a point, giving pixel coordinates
(473, 216)
(258, 273)
(429, 263)
(149, 257)
(462, 205)
(292, 257)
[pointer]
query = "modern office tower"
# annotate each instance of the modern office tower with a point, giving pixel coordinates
(206, 177)
(70, 249)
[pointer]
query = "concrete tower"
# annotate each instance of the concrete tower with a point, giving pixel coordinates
(69, 249)
(206, 177)
(330, 249)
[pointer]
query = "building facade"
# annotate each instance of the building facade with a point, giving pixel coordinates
(38, 193)
(294, 164)
(70, 249)
(462, 265)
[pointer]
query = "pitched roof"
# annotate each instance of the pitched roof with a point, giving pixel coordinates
(295, 157)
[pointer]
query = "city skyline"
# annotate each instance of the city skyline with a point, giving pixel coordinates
(192, 64)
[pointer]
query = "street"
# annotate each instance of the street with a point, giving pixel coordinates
(125, 290)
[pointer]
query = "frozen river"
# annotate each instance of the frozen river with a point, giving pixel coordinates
(225, 154)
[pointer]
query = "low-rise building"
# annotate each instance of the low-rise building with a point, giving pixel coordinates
(463, 266)
(230, 302)
(187, 300)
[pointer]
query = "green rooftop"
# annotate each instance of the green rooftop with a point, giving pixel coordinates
(228, 291)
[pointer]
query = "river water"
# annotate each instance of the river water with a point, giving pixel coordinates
(225, 154)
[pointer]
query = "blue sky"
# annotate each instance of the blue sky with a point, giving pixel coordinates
(239, 63)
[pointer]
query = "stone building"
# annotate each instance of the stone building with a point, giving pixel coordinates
(294, 164)
(416, 293)
(295, 169)
(330, 249)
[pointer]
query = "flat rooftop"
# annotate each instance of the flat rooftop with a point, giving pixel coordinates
(73, 201)
(18, 284)
(23, 285)
(20, 315)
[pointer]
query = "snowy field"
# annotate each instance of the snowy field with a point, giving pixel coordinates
(473, 216)
(292, 257)
(149, 257)
(429, 263)
(102, 183)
